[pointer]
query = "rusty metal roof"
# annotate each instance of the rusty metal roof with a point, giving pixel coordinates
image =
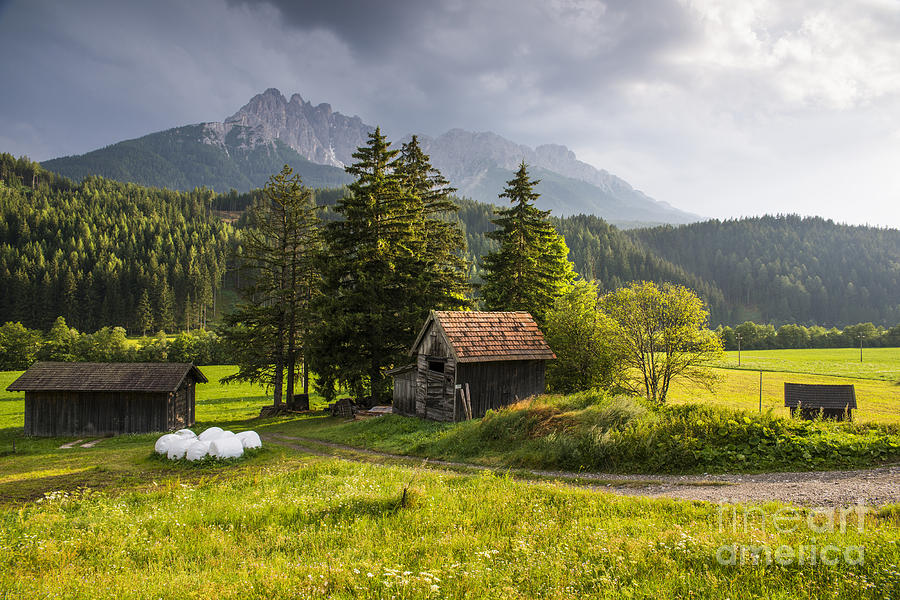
(481, 336)
(105, 377)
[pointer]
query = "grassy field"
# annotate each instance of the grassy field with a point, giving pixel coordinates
(314, 528)
(878, 363)
(878, 400)
(877, 380)
(39, 464)
(115, 522)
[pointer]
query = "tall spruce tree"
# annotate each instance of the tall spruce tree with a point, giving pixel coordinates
(439, 264)
(269, 329)
(531, 266)
(389, 259)
(144, 313)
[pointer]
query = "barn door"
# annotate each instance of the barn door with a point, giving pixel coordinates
(439, 392)
(434, 393)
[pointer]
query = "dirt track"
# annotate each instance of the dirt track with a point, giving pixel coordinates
(873, 487)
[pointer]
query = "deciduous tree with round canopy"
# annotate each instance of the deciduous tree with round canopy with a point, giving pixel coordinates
(661, 333)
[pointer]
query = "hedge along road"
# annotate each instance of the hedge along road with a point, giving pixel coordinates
(870, 487)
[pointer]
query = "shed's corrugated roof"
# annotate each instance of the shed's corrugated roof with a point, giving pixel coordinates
(811, 395)
(105, 377)
(479, 336)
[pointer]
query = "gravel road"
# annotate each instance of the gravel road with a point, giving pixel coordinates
(871, 487)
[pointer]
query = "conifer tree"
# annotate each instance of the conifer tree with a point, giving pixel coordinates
(531, 266)
(165, 317)
(69, 300)
(268, 330)
(144, 313)
(439, 264)
(363, 288)
(389, 260)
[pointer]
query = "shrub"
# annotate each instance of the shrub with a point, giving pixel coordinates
(18, 346)
(599, 432)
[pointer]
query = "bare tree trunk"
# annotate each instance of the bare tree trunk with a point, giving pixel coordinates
(305, 375)
(292, 327)
(278, 378)
(375, 376)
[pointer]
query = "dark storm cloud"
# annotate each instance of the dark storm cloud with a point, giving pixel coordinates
(682, 98)
(476, 63)
(106, 69)
(370, 28)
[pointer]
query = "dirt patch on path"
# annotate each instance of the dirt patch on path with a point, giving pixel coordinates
(872, 487)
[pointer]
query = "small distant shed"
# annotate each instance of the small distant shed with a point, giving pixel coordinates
(812, 400)
(107, 398)
(500, 356)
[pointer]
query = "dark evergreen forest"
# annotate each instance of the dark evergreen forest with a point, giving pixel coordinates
(107, 253)
(102, 253)
(789, 269)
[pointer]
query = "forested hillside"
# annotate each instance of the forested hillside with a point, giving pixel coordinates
(106, 253)
(92, 251)
(788, 269)
(183, 159)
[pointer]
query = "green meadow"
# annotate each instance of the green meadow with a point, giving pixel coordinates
(31, 466)
(876, 380)
(114, 521)
(308, 527)
(878, 363)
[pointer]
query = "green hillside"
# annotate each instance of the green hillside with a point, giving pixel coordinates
(91, 252)
(178, 159)
(788, 269)
(88, 251)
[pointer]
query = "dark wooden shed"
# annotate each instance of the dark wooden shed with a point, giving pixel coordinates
(812, 400)
(501, 356)
(107, 398)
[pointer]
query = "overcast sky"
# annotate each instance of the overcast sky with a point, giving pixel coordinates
(720, 107)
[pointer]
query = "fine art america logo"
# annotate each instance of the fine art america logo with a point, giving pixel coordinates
(754, 520)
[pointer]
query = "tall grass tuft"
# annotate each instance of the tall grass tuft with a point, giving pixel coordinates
(597, 431)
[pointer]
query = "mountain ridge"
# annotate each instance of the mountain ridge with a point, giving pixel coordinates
(241, 151)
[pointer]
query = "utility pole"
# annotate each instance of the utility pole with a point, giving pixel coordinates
(860, 336)
(738, 336)
(760, 391)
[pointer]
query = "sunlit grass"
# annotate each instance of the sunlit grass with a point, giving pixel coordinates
(878, 363)
(284, 525)
(313, 528)
(878, 401)
(39, 464)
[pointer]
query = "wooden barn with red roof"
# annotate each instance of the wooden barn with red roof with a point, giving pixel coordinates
(500, 357)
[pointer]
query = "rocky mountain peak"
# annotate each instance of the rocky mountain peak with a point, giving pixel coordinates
(478, 164)
(316, 132)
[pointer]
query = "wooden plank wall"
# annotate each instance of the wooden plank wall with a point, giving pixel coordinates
(192, 401)
(180, 412)
(439, 393)
(95, 413)
(434, 395)
(405, 393)
(500, 383)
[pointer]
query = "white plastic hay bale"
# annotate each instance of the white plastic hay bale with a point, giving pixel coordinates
(178, 447)
(226, 434)
(210, 434)
(197, 450)
(162, 444)
(229, 447)
(249, 439)
(185, 433)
